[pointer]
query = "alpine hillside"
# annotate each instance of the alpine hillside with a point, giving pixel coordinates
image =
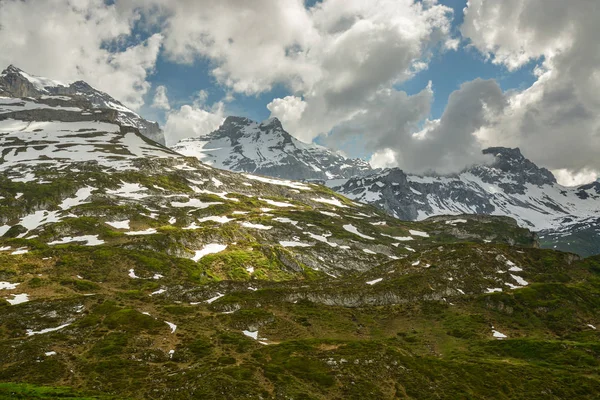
(130, 271)
(15, 83)
(243, 145)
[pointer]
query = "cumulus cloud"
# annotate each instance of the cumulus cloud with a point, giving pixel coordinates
(341, 61)
(70, 40)
(192, 121)
(289, 110)
(447, 145)
(568, 178)
(333, 57)
(385, 158)
(161, 101)
(253, 45)
(555, 122)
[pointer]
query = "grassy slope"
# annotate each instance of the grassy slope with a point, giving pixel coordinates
(412, 335)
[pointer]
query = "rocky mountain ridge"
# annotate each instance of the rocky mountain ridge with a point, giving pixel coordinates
(511, 185)
(243, 145)
(16, 83)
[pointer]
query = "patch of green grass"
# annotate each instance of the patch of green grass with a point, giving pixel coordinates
(27, 391)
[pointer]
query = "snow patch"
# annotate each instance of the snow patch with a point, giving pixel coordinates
(172, 326)
(251, 334)
(8, 285)
(332, 201)
(149, 231)
(119, 224)
(256, 226)
(18, 299)
(31, 332)
(209, 249)
(352, 229)
(277, 203)
(285, 243)
(213, 299)
(418, 233)
(91, 240)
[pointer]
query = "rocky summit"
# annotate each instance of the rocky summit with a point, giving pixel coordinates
(243, 145)
(130, 271)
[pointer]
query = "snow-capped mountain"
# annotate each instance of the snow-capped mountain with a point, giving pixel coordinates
(511, 186)
(16, 83)
(243, 145)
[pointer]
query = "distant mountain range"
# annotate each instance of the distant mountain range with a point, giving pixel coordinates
(566, 218)
(16, 83)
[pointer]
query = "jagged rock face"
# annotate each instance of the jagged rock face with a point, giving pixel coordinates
(246, 146)
(18, 84)
(521, 170)
(511, 185)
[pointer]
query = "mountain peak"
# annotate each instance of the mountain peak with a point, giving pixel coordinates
(243, 145)
(505, 152)
(511, 160)
(233, 120)
(273, 123)
(11, 69)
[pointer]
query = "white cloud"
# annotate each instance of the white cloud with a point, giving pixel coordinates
(556, 121)
(289, 110)
(252, 44)
(385, 158)
(192, 121)
(334, 56)
(161, 100)
(69, 40)
(566, 178)
(446, 145)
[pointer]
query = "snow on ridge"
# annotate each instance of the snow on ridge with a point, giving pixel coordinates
(333, 201)
(280, 182)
